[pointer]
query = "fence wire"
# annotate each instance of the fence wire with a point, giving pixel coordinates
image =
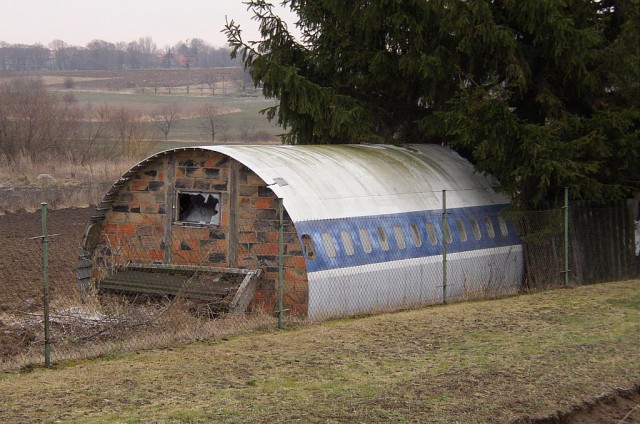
(367, 265)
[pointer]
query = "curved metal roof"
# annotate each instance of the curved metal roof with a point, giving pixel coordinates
(336, 181)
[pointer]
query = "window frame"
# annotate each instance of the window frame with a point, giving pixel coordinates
(177, 212)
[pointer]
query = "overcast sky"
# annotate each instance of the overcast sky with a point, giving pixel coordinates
(77, 22)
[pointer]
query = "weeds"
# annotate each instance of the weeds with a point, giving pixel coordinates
(23, 185)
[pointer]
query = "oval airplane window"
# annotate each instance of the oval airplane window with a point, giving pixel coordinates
(347, 242)
(398, 234)
(383, 239)
(447, 230)
(365, 240)
(476, 229)
(462, 230)
(415, 235)
(431, 231)
(329, 245)
(489, 225)
(504, 230)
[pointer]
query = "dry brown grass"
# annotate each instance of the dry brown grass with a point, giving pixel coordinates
(72, 185)
(488, 361)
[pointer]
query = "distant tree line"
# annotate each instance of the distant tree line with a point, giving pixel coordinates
(38, 124)
(103, 55)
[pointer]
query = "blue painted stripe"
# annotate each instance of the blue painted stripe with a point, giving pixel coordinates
(373, 225)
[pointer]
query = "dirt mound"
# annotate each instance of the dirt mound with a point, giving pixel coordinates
(620, 406)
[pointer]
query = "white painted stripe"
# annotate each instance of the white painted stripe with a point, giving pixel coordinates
(410, 263)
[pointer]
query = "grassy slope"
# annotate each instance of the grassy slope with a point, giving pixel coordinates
(472, 362)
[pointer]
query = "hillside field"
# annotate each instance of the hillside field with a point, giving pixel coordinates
(506, 360)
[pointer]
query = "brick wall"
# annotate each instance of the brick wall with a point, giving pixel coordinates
(140, 228)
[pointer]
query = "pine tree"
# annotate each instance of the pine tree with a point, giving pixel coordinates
(543, 94)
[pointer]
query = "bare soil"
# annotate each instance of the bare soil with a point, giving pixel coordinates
(621, 406)
(21, 270)
(21, 254)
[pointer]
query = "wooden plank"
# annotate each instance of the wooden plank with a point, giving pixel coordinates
(245, 292)
(219, 285)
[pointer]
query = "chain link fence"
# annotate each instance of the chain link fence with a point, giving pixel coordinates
(485, 255)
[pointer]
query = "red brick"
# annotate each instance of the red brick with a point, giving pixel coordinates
(244, 202)
(139, 185)
(265, 249)
(126, 229)
(269, 236)
(117, 217)
(295, 275)
(150, 219)
(265, 203)
(295, 262)
(293, 247)
(155, 254)
(224, 219)
(247, 237)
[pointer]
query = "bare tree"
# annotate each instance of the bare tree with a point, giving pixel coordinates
(91, 127)
(32, 120)
(132, 131)
(164, 117)
(213, 122)
(210, 78)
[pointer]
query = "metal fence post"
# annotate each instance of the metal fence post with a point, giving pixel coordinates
(444, 246)
(45, 280)
(280, 263)
(566, 236)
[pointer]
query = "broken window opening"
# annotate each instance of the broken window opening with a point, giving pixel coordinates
(199, 208)
(309, 248)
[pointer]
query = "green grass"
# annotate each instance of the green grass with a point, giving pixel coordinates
(486, 361)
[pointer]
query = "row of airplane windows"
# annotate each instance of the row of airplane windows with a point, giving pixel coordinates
(366, 242)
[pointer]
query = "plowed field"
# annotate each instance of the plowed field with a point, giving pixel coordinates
(21, 256)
